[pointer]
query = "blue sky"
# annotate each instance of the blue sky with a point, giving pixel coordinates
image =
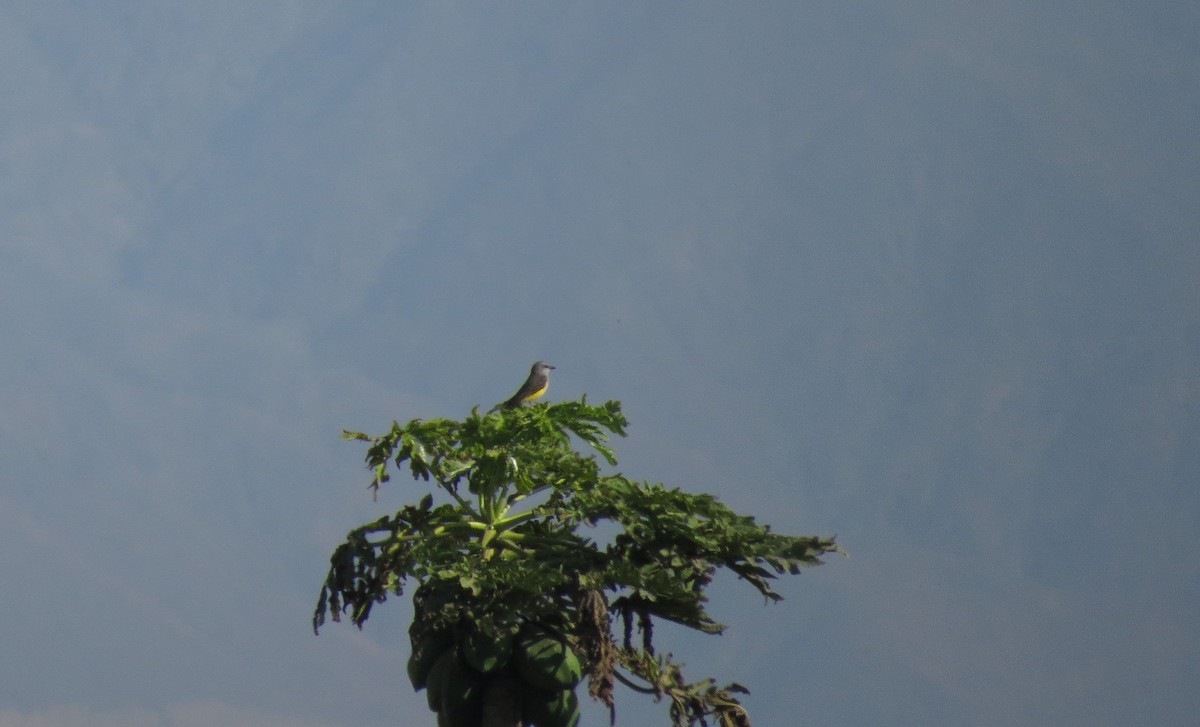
(926, 277)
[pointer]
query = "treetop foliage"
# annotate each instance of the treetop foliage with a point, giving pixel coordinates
(511, 546)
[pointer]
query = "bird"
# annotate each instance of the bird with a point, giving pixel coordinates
(533, 388)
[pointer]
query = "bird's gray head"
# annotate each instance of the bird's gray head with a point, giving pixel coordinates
(541, 367)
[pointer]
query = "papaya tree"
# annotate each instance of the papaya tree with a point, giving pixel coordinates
(536, 567)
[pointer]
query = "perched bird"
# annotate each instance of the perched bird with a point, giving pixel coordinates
(533, 388)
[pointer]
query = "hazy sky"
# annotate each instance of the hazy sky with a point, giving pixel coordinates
(923, 275)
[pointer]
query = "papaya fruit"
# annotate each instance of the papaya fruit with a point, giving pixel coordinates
(543, 708)
(545, 662)
(435, 681)
(485, 654)
(461, 695)
(426, 649)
